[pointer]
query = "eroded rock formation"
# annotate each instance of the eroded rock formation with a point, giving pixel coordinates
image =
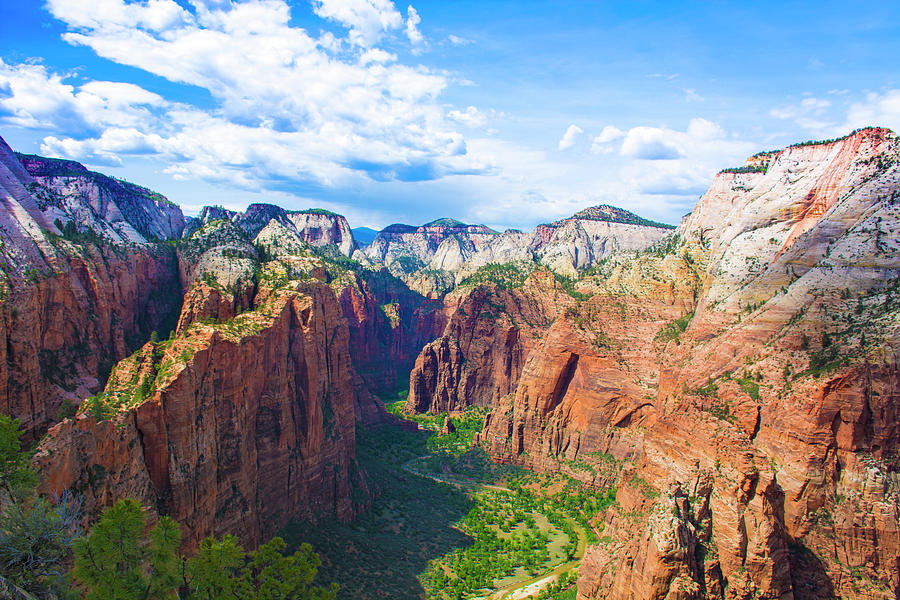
(743, 377)
(228, 428)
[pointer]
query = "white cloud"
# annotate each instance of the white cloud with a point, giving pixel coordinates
(292, 110)
(602, 143)
(412, 26)
(153, 15)
(471, 117)
(810, 114)
(882, 110)
(650, 143)
(36, 98)
(367, 20)
(691, 95)
(702, 129)
(570, 137)
(533, 186)
(459, 41)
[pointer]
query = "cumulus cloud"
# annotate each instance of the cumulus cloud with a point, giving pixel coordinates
(810, 113)
(881, 110)
(293, 109)
(570, 137)
(367, 20)
(602, 144)
(412, 26)
(471, 117)
(38, 99)
(649, 143)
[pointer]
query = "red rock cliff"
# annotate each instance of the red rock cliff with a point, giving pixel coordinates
(248, 424)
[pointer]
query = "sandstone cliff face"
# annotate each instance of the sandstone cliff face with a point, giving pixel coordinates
(596, 233)
(315, 227)
(565, 247)
(479, 356)
(755, 438)
(244, 426)
(388, 325)
(118, 210)
(69, 310)
(439, 246)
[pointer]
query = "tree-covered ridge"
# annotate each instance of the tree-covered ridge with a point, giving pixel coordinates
(613, 214)
(505, 275)
(314, 211)
(443, 222)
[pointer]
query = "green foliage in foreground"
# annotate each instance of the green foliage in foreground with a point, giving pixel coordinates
(119, 560)
(35, 534)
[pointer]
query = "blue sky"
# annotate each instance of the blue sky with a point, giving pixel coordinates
(508, 113)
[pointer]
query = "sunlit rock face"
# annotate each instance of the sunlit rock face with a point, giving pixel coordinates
(245, 425)
(742, 376)
(70, 311)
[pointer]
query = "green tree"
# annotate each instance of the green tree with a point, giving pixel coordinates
(215, 569)
(118, 561)
(269, 575)
(16, 476)
(35, 534)
(35, 543)
(221, 569)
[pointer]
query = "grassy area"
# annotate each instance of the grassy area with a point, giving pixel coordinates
(512, 540)
(496, 526)
(382, 553)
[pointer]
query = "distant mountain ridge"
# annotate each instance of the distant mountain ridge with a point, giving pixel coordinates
(118, 210)
(364, 235)
(612, 214)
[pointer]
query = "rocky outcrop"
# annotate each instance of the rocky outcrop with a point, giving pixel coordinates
(315, 227)
(117, 210)
(478, 358)
(388, 325)
(440, 245)
(575, 244)
(228, 428)
(70, 308)
(754, 436)
(435, 257)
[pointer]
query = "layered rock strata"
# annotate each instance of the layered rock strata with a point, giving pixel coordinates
(229, 428)
(751, 415)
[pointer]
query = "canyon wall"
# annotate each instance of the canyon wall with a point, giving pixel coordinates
(742, 378)
(232, 427)
(70, 310)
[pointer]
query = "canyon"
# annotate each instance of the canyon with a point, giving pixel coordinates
(733, 378)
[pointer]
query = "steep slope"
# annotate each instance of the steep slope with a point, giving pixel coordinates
(443, 244)
(437, 256)
(73, 305)
(118, 210)
(589, 236)
(742, 377)
(315, 226)
(231, 427)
